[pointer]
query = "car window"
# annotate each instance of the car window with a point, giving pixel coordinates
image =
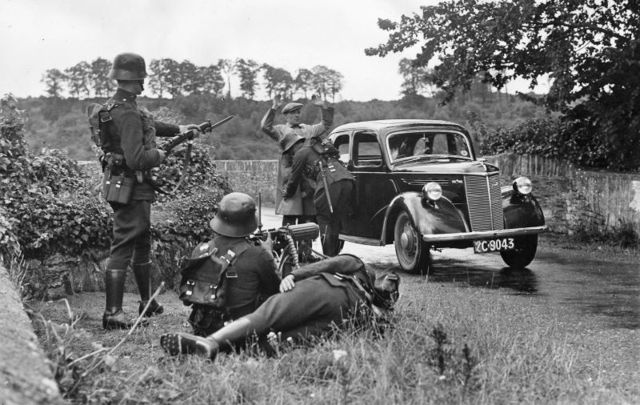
(428, 144)
(341, 142)
(366, 150)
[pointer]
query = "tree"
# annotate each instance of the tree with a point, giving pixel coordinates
(321, 80)
(586, 47)
(212, 80)
(248, 72)
(303, 82)
(416, 78)
(190, 82)
(334, 84)
(228, 68)
(99, 77)
(77, 78)
(53, 79)
(277, 81)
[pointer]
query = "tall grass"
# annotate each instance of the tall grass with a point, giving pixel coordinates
(448, 344)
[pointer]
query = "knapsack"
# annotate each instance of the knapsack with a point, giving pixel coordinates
(332, 168)
(99, 116)
(205, 274)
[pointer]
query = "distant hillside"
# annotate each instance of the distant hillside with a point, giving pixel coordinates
(62, 123)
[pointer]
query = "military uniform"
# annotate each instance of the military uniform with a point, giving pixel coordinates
(325, 296)
(254, 280)
(134, 137)
(335, 292)
(305, 168)
(278, 133)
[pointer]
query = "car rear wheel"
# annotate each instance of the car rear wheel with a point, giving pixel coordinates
(523, 254)
(412, 253)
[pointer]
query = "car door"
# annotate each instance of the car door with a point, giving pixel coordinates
(373, 190)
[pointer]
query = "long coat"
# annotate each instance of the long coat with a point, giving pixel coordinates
(297, 205)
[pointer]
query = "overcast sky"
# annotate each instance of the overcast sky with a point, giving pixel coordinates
(36, 35)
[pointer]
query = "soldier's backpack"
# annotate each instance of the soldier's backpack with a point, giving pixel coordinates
(205, 277)
(99, 116)
(333, 169)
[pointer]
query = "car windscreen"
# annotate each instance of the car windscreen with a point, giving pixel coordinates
(436, 145)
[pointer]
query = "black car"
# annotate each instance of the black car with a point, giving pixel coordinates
(420, 186)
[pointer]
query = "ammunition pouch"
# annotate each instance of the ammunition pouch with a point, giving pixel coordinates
(117, 188)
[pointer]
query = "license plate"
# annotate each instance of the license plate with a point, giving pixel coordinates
(493, 245)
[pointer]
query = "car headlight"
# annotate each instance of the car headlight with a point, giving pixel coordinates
(432, 191)
(522, 185)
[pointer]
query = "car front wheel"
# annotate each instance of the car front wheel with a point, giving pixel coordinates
(523, 254)
(412, 253)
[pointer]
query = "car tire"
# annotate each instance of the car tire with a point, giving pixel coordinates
(523, 254)
(412, 253)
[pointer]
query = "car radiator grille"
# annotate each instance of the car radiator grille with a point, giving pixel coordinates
(484, 201)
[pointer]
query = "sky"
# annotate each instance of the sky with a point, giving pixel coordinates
(36, 35)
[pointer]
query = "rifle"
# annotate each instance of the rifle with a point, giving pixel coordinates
(189, 135)
(326, 185)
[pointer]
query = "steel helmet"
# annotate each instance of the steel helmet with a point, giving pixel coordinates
(236, 216)
(128, 66)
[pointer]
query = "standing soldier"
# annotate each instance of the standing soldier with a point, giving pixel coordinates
(315, 162)
(299, 208)
(128, 137)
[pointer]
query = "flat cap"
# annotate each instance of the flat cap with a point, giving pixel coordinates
(291, 107)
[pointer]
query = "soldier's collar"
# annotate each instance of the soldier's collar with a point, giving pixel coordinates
(123, 95)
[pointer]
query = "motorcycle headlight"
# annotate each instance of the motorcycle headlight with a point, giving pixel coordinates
(522, 185)
(432, 191)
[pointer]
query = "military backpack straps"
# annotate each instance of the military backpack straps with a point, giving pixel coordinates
(205, 274)
(99, 116)
(332, 168)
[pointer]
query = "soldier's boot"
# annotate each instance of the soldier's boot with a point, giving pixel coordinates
(114, 317)
(142, 274)
(186, 343)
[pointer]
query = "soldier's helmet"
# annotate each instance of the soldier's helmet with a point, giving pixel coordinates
(128, 66)
(236, 216)
(289, 140)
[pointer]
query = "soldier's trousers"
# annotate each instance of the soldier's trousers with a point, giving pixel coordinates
(313, 307)
(131, 234)
(330, 224)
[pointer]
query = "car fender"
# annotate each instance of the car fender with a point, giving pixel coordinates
(521, 211)
(442, 217)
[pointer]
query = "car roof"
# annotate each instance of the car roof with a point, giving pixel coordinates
(377, 125)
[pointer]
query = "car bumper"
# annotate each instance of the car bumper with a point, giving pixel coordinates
(449, 237)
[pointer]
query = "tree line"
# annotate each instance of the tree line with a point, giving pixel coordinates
(168, 77)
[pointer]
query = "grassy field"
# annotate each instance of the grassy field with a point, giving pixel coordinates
(451, 343)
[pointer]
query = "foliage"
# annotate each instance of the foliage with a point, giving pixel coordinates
(45, 198)
(587, 48)
(49, 206)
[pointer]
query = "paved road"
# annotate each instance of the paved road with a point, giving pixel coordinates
(592, 285)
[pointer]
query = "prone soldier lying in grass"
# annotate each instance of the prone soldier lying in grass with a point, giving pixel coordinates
(314, 299)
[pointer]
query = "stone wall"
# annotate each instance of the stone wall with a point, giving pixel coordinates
(25, 375)
(252, 177)
(570, 196)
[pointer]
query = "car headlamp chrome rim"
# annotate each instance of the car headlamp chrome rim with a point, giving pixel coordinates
(432, 191)
(522, 185)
